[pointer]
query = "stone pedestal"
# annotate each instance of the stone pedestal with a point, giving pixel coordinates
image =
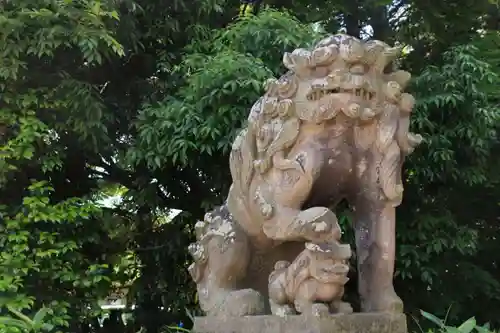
(353, 323)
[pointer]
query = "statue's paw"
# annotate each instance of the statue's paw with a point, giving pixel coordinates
(341, 308)
(245, 302)
(308, 308)
(320, 225)
(234, 303)
(319, 310)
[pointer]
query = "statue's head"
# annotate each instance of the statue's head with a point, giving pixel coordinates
(352, 83)
(342, 74)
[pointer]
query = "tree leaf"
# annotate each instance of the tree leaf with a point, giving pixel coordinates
(432, 318)
(11, 322)
(40, 315)
(467, 326)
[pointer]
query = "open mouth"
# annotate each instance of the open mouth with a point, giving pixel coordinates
(336, 269)
(319, 93)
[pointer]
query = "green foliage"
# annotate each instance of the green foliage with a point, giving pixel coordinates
(205, 114)
(457, 117)
(39, 244)
(467, 326)
(25, 324)
(41, 239)
(441, 239)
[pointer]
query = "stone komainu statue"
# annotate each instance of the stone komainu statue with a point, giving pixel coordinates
(336, 126)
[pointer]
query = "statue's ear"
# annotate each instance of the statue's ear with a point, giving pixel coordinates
(400, 76)
(299, 62)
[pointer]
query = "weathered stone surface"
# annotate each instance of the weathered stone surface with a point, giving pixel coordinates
(334, 127)
(339, 323)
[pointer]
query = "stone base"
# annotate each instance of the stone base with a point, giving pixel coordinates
(353, 323)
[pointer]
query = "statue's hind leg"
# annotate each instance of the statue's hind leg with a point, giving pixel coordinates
(375, 248)
(221, 258)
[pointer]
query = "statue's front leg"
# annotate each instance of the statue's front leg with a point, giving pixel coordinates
(375, 223)
(286, 196)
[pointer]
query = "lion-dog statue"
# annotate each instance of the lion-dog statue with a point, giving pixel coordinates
(334, 127)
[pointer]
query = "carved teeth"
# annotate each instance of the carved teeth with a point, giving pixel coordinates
(368, 95)
(318, 93)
